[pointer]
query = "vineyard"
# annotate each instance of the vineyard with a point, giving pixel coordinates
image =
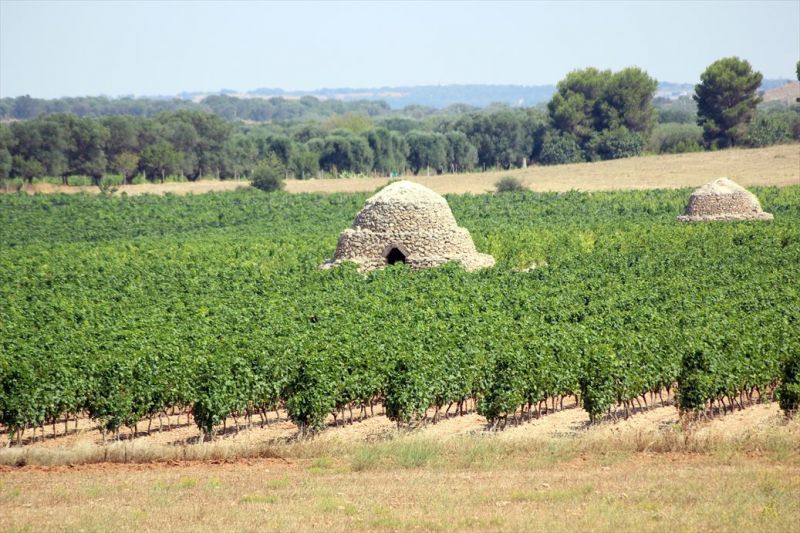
(125, 308)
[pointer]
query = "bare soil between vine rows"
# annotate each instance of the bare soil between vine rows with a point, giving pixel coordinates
(562, 425)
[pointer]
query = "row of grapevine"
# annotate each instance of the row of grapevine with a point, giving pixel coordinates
(127, 308)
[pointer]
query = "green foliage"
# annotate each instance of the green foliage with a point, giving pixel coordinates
(124, 307)
(559, 150)
(681, 110)
(590, 101)
(427, 151)
(126, 164)
(344, 151)
(789, 391)
(304, 163)
(614, 144)
(509, 184)
(695, 386)
(726, 101)
(12, 184)
(78, 181)
(268, 176)
(600, 368)
(774, 127)
(675, 139)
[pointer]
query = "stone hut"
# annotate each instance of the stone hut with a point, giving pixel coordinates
(722, 199)
(406, 222)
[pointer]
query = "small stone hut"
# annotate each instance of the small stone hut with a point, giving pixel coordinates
(406, 222)
(722, 199)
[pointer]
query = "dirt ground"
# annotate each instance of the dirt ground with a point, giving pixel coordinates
(735, 472)
(552, 474)
(774, 165)
(561, 425)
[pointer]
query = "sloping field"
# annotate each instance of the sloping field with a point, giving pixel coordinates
(774, 165)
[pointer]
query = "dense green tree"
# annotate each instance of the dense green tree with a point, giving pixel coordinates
(123, 135)
(461, 154)
(45, 140)
(344, 151)
(389, 150)
(85, 153)
(304, 162)
(125, 164)
(159, 160)
(614, 144)
(590, 104)
(26, 107)
(628, 101)
(6, 140)
(559, 149)
(242, 155)
(726, 101)
(499, 137)
(426, 150)
(279, 145)
(572, 108)
(25, 168)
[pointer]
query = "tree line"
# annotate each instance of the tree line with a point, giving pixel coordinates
(228, 107)
(594, 115)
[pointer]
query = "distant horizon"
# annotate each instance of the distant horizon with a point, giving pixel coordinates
(183, 94)
(71, 48)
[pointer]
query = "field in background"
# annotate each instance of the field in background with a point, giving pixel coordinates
(775, 165)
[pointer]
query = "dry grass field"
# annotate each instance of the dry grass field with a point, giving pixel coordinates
(737, 472)
(774, 165)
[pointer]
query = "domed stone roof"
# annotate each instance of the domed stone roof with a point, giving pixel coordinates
(723, 199)
(406, 222)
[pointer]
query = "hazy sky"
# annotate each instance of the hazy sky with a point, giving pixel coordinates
(52, 49)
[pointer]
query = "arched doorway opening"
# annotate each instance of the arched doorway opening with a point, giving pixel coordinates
(395, 253)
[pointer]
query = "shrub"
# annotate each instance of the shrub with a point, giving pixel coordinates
(268, 176)
(111, 180)
(789, 391)
(774, 128)
(559, 150)
(596, 380)
(52, 180)
(676, 139)
(614, 144)
(12, 184)
(693, 382)
(676, 116)
(79, 181)
(138, 179)
(509, 184)
(175, 178)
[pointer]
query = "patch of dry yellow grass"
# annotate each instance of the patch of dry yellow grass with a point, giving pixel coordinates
(774, 165)
(413, 483)
(733, 473)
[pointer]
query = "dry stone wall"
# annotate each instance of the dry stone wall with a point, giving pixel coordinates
(723, 199)
(416, 221)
